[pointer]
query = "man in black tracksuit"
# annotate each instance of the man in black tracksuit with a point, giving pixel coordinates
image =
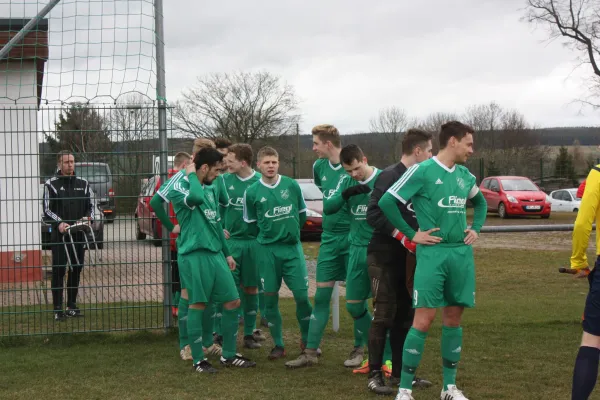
(391, 261)
(66, 201)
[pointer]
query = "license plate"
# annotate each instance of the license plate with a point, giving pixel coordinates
(533, 207)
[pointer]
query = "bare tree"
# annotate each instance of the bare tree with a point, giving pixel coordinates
(432, 124)
(391, 123)
(579, 23)
(242, 107)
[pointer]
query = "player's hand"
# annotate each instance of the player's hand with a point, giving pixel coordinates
(190, 169)
(424, 237)
(406, 242)
(355, 190)
(471, 237)
(583, 273)
(176, 229)
(227, 234)
(62, 227)
(231, 263)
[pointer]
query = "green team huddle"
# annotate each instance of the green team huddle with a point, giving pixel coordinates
(239, 239)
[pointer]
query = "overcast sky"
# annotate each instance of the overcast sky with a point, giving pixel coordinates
(347, 59)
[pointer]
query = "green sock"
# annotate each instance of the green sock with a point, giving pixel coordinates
(195, 333)
(241, 293)
(451, 350)
(387, 351)
(274, 318)
(362, 322)
(319, 317)
(217, 316)
(230, 331)
(207, 326)
(303, 312)
(250, 308)
(261, 303)
(412, 353)
(182, 322)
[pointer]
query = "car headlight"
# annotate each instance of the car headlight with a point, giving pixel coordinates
(512, 199)
(313, 214)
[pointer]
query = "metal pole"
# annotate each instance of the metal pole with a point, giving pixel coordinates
(530, 228)
(297, 158)
(29, 26)
(335, 307)
(162, 135)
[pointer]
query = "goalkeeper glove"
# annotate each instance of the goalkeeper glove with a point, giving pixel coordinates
(406, 242)
(355, 190)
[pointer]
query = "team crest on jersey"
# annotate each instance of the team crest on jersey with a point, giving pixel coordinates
(285, 194)
(460, 182)
(210, 197)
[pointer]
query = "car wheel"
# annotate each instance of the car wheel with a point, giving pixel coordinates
(139, 235)
(575, 210)
(156, 241)
(502, 211)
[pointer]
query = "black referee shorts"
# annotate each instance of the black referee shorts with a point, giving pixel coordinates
(591, 314)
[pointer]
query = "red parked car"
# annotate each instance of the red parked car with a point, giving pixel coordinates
(146, 222)
(313, 197)
(514, 196)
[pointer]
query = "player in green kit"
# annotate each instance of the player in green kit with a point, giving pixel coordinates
(445, 275)
(353, 191)
(242, 238)
(276, 205)
(204, 260)
(333, 253)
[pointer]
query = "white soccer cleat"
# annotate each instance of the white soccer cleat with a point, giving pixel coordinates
(404, 394)
(214, 350)
(452, 394)
(186, 353)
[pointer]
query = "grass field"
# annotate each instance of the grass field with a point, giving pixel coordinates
(519, 343)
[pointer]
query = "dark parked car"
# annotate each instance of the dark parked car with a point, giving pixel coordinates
(313, 227)
(100, 179)
(97, 225)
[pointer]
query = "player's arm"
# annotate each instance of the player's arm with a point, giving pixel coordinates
(402, 191)
(317, 177)
(479, 207)
(336, 201)
(249, 208)
(226, 251)
(301, 204)
(195, 196)
(375, 217)
(157, 203)
(89, 205)
(585, 219)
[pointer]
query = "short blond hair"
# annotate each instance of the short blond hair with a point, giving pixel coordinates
(266, 152)
(202, 143)
(328, 133)
(180, 158)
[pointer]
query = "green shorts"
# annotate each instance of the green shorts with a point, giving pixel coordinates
(282, 261)
(207, 277)
(445, 276)
(332, 262)
(358, 284)
(244, 253)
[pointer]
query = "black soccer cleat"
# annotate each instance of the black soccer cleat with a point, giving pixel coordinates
(218, 339)
(376, 384)
(238, 361)
(59, 316)
(73, 312)
(277, 353)
(251, 343)
(204, 367)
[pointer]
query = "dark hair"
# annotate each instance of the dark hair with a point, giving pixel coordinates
(62, 153)
(414, 138)
(267, 151)
(328, 133)
(454, 129)
(222, 143)
(207, 156)
(243, 152)
(350, 153)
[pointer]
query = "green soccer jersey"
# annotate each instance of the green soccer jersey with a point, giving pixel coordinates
(200, 226)
(164, 189)
(356, 207)
(327, 177)
(439, 197)
(275, 209)
(234, 221)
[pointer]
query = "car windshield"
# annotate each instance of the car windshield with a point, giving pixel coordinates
(573, 193)
(311, 192)
(518, 185)
(93, 173)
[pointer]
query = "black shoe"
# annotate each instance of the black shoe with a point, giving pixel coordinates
(251, 343)
(376, 384)
(237, 361)
(277, 353)
(59, 316)
(73, 312)
(218, 339)
(421, 383)
(204, 367)
(264, 322)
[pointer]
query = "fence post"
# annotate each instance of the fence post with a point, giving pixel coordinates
(162, 135)
(481, 170)
(541, 172)
(294, 167)
(335, 307)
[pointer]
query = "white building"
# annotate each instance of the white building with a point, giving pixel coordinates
(21, 77)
